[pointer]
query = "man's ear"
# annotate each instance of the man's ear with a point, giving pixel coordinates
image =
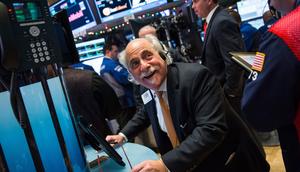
(107, 52)
(162, 55)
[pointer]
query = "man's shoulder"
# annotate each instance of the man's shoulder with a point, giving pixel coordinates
(222, 14)
(222, 17)
(107, 60)
(187, 69)
(108, 64)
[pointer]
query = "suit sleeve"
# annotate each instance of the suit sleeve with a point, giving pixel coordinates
(140, 120)
(229, 39)
(207, 106)
(270, 98)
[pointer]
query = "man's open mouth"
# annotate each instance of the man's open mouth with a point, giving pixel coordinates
(150, 75)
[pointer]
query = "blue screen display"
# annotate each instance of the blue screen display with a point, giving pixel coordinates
(43, 128)
(79, 13)
(12, 138)
(65, 121)
(115, 9)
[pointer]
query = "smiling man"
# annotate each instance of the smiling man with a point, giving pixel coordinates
(187, 109)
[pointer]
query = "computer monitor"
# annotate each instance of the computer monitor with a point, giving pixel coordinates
(257, 23)
(252, 9)
(142, 5)
(90, 49)
(95, 64)
(115, 9)
(97, 142)
(79, 13)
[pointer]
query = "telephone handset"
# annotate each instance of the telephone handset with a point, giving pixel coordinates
(27, 35)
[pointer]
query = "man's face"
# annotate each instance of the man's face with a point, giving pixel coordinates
(201, 7)
(145, 64)
(114, 52)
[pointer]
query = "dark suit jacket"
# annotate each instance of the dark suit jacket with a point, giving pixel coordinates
(92, 98)
(223, 36)
(199, 112)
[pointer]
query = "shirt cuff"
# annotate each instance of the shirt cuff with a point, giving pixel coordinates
(164, 164)
(123, 135)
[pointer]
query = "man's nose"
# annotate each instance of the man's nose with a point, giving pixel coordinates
(144, 65)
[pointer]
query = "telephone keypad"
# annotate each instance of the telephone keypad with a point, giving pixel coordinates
(40, 51)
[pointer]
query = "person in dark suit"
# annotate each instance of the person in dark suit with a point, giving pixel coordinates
(222, 36)
(91, 98)
(194, 127)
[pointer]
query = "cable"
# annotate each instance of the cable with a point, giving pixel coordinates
(13, 97)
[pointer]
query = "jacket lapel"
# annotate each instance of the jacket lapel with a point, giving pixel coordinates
(173, 89)
(207, 32)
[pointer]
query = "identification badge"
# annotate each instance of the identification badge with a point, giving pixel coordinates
(146, 97)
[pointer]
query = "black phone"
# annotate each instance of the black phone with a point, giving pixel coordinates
(27, 35)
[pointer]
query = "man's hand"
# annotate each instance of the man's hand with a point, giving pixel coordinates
(150, 166)
(115, 139)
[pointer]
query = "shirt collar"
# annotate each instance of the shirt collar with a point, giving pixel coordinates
(163, 86)
(210, 14)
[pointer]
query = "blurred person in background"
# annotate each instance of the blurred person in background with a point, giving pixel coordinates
(272, 93)
(222, 36)
(118, 78)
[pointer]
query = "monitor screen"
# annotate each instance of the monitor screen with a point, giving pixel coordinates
(257, 23)
(95, 63)
(90, 49)
(79, 14)
(115, 9)
(251, 9)
(27, 11)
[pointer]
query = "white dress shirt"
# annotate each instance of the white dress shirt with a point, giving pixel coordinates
(210, 14)
(159, 113)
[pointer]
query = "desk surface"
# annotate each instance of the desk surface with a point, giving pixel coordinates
(136, 154)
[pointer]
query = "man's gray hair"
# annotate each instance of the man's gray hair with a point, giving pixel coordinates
(156, 44)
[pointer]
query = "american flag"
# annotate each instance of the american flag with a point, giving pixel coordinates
(258, 62)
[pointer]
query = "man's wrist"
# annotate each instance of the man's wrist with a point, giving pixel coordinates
(166, 168)
(123, 135)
